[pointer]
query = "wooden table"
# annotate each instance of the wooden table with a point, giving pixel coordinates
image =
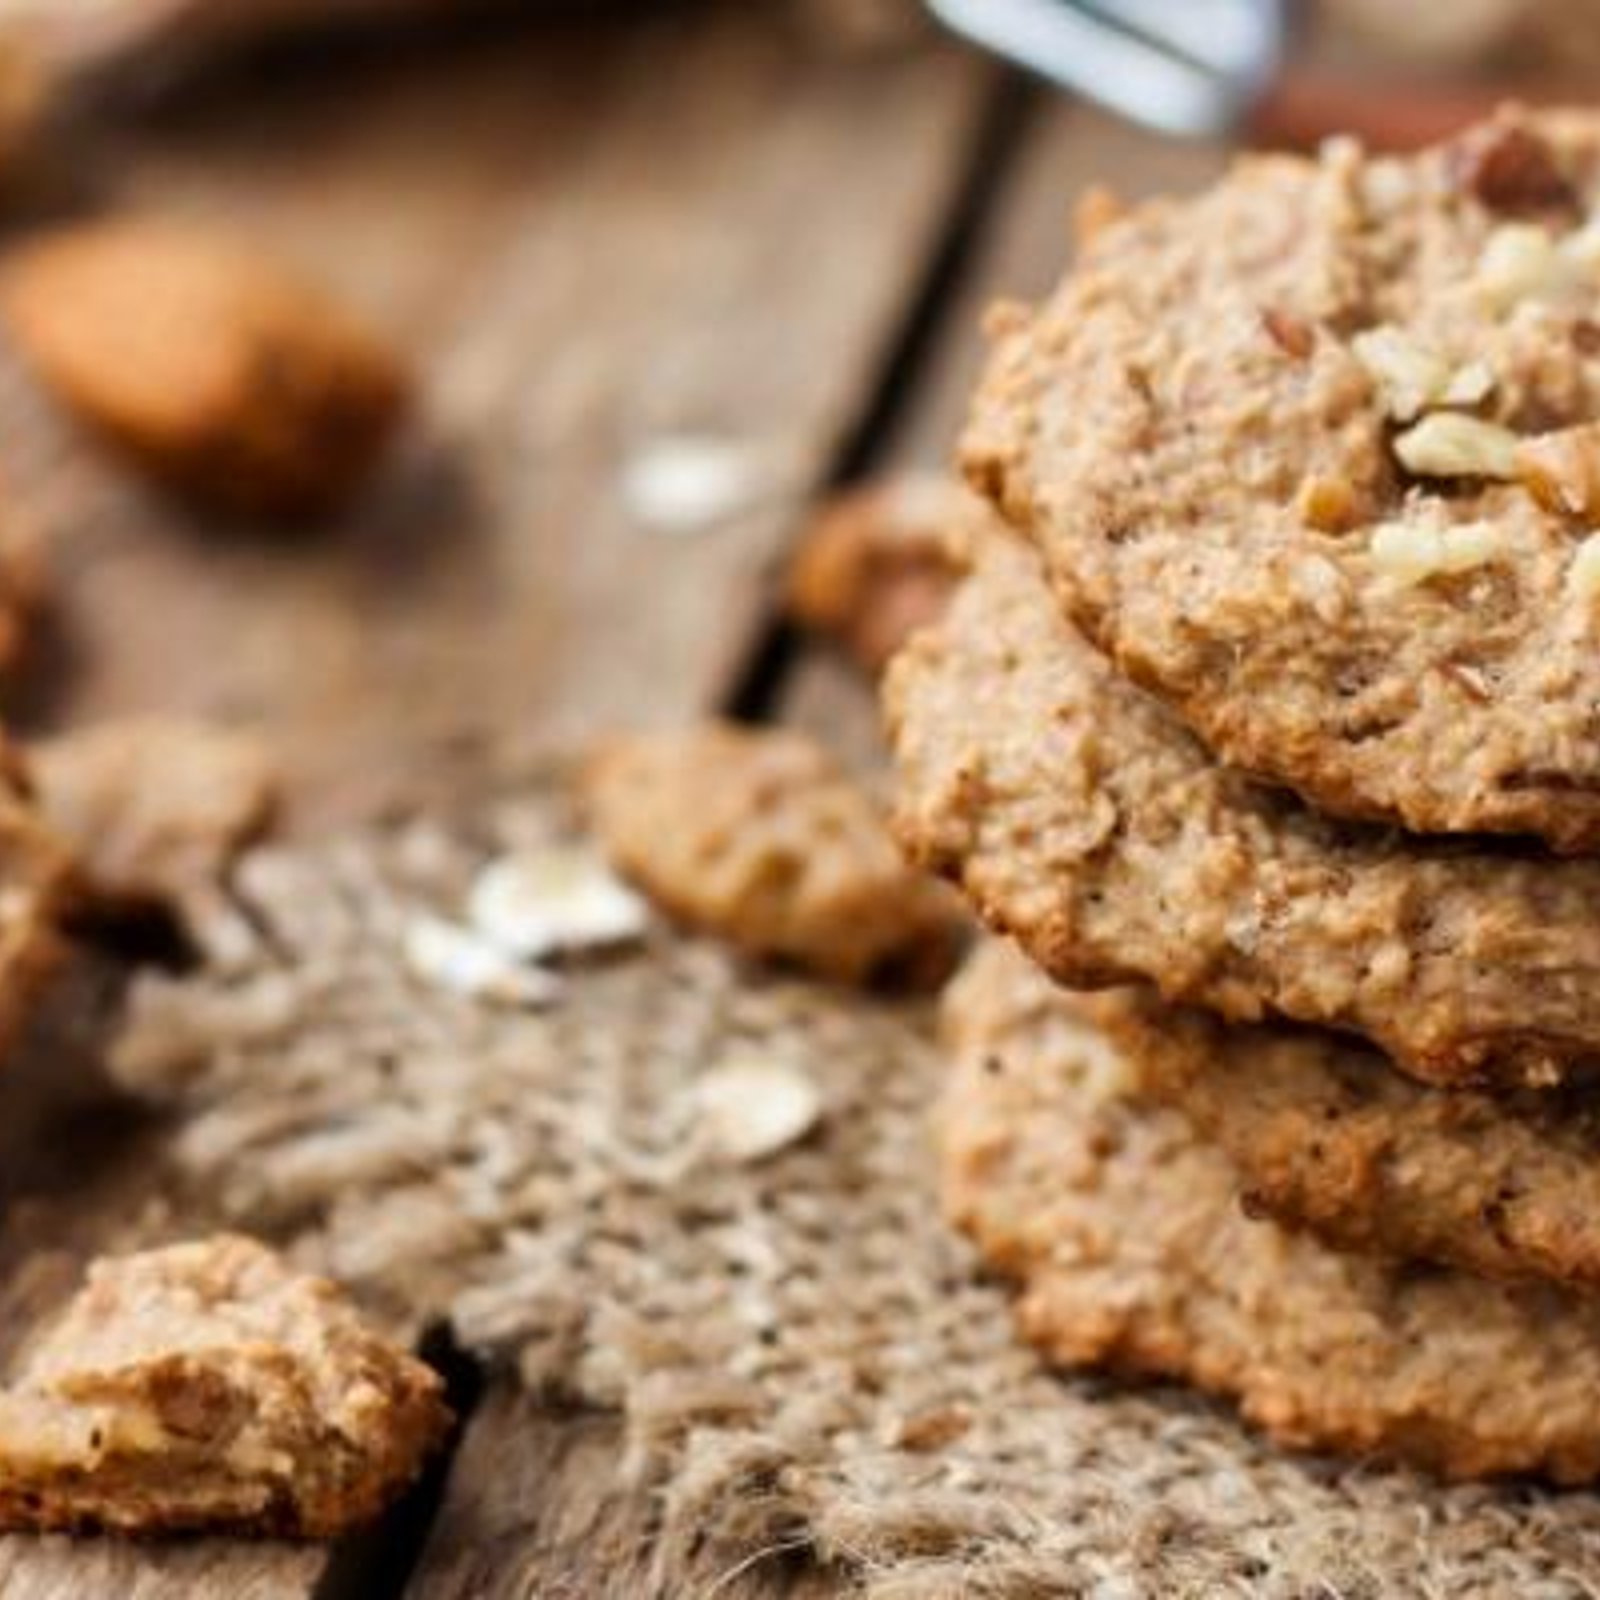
(711, 223)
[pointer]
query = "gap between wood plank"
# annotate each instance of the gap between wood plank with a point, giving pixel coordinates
(759, 687)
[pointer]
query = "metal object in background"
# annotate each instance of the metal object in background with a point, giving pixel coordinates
(1188, 67)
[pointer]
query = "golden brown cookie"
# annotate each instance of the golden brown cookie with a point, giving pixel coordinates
(1123, 1230)
(876, 564)
(1325, 1135)
(207, 1386)
(1315, 457)
(231, 378)
(1082, 818)
(758, 837)
(156, 806)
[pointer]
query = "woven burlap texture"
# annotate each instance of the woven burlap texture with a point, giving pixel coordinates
(804, 1356)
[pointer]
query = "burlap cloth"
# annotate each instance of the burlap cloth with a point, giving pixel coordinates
(804, 1356)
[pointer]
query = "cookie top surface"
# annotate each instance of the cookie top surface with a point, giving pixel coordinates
(1080, 816)
(1315, 457)
(1123, 1228)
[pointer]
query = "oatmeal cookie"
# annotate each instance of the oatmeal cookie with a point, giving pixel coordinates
(228, 377)
(1082, 818)
(1325, 1135)
(756, 836)
(1122, 1227)
(1315, 457)
(156, 805)
(876, 565)
(208, 1386)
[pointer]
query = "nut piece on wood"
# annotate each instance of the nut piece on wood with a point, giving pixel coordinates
(757, 837)
(157, 806)
(233, 381)
(876, 564)
(209, 1386)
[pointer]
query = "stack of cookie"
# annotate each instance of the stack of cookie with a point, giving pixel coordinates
(1274, 691)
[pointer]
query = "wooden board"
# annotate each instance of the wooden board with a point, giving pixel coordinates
(598, 239)
(594, 239)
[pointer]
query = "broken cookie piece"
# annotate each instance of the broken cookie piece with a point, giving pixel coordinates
(877, 564)
(756, 836)
(158, 806)
(232, 380)
(209, 1386)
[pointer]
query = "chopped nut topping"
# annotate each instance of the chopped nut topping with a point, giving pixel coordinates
(1583, 575)
(1320, 584)
(1329, 505)
(1469, 679)
(1562, 470)
(1509, 168)
(1412, 377)
(1519, 261)
(753, 1109)
(1523, 261)
(1447, 444)
(1414, 552)
(1292, 335)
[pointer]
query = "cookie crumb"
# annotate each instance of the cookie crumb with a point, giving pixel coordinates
(1414, 552)
(1413, 378)
(757, 837)
(157, 806)
(1449, 444)
(877, 564)
(208, 1386)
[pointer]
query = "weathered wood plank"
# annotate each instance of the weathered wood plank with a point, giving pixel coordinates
(75, 1569)
(598, 240)
(595, 240)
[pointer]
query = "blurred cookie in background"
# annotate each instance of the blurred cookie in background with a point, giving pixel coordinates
(877, 563)
(236, 382)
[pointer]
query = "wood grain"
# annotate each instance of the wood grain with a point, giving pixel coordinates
(596, 240)
(593, 239)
